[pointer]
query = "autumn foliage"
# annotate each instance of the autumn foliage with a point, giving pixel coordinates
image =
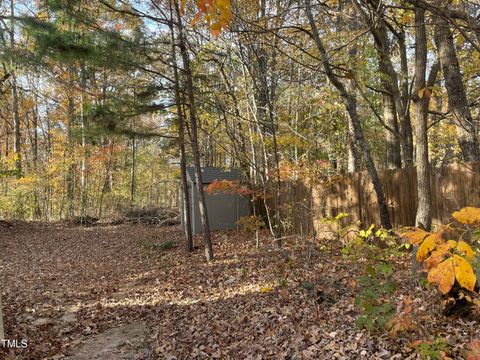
(447, 261)
(228, 187)
(216, 13)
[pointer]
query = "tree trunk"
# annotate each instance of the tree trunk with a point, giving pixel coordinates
(2, 332)
(276, 158)
(194, 136)
(70, 166)
(351, 106)
(7, 137)
(16, 117)
(133, 168)
(457, 97)
(406, 134)
(83, 125)
(421, 101)
(37, 210)
(354, 157)
(354, 160)
(35, 134)
(181, 144)
(394, 160)
(106, 180)
(393, 93)
(388, 80)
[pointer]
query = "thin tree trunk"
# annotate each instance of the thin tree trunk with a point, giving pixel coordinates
(48, 154)
(70, 165)
(83, 165)
(106, 180)
(2, 332)
(133, 167)
(37, 210)
(402, 145)
(406, 134)
(187, 223)
(354, 160)
(16, 117)
(35, 134)
(194, 136)
(278, 230)
(351, 106)
(7, 137)
(457, 97)
(354, 156)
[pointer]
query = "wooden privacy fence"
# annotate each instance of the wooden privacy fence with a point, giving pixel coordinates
(453, 187)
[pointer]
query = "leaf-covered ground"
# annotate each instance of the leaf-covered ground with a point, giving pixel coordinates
(70, 291)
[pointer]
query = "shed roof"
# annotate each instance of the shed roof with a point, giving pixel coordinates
(209, 174)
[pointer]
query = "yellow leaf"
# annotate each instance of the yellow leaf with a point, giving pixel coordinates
(266, 289)
(440, 254)
(424, 92)
(420, 92)
(460, 40)
(465, 249)
(464, 273)
(467, 215)
(427, 245)
(415, 236)
(405, 19)
(443, 275)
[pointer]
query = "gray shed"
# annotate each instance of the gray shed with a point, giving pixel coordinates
(224, 210)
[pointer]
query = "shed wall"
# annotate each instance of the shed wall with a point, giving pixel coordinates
(224, 210)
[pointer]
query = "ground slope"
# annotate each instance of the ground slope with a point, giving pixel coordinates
(116, 293)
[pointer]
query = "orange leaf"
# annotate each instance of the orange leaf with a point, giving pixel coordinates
(467, 215)
(440, 254)
(443, 275)
(196, 18)
(217, 14)
(415, 236)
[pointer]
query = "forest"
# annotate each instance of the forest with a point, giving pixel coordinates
(224, 179)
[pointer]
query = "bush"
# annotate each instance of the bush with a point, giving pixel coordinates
(375, 301)
(450, 262)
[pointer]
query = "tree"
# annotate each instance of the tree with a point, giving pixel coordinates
(13, 84)
(2, 332)
(467, 129)
(350, 104)
(190, 95)
(421, 101)
(395, 84)
(186, 216)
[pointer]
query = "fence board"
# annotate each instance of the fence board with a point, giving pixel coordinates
(453, 187)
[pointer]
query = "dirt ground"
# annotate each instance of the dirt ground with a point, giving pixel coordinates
(115, 292)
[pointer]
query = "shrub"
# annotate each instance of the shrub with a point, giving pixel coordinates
(447, 257)
(250, 223)
(375, 300)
